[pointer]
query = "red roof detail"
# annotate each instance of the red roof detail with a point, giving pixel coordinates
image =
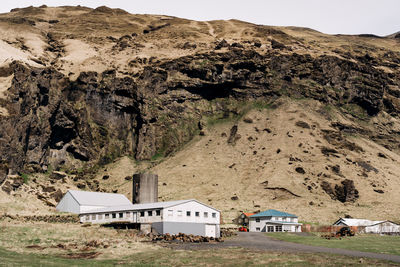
(248, 214)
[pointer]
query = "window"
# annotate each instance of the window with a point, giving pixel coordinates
(158, 212)
(257, 219)
(258, 229)
(114, 215)
(150, 213)
(214, 215)
(179, 213)
(188, 213)
(170, 212)
(93, 217)
(197, 214)
(128, 215)
(120, 215)
(270, 229)
(87, 217)
(142, 214)
(205, 214)
(100, 216)
(278, 228)
(284, 219)
(107, 216)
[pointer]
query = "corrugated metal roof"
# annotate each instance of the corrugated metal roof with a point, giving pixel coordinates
(145, 206)
(356, 222)
(274, 213)
(87, 198)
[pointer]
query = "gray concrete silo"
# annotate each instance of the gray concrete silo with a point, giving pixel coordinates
(145, 188)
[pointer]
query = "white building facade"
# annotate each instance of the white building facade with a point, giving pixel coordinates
(274, 221)
(173, 217)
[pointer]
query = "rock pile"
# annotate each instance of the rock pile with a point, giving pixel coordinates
(184, 238)
(228, 232)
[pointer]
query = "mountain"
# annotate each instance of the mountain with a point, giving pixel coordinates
(238, 115)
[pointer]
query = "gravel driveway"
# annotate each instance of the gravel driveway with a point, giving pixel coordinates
(260, 241)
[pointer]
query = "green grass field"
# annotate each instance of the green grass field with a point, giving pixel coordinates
(363, 242)
(169, 257)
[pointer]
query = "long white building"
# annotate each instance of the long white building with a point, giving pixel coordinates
(173, 217)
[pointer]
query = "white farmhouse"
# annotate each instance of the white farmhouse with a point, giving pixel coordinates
(274, 221)
(172, 217)
(75, 201)
(367, 226)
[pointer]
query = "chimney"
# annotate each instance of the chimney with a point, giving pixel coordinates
(145, 188)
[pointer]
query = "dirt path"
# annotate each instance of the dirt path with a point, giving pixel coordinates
(260, 241)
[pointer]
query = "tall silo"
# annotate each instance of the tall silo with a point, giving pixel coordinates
(145, 188)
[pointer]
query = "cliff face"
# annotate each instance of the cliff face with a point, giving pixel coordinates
(99, 116)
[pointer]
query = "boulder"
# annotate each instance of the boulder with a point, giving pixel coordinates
(56, 175)
(48, 189)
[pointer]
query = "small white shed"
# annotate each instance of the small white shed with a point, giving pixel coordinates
(77, 202)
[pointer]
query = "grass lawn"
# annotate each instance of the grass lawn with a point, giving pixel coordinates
(363, 242)
(168, 257)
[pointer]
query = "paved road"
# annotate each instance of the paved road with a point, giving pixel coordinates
(260, 241)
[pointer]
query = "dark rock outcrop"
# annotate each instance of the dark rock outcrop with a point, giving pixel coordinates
(102, 116)
(345, 192)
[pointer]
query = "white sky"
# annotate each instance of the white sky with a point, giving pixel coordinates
(381, 17)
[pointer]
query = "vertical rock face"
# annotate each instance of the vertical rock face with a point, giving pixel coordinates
(100, 116)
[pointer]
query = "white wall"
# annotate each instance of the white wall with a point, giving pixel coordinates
(385, 227)
(173, 214)
(266, 221)
(149, 219)
(68, 204)
(179, 213)
(101, 217)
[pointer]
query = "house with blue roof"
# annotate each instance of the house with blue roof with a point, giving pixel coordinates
(274, 221)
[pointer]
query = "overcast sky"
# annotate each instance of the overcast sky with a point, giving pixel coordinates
(381, 17)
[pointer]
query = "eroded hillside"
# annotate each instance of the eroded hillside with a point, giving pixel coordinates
(238, 115)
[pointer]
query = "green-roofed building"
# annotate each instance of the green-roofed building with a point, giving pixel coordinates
(274, 221)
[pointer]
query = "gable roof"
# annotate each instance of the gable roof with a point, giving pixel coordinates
(87, 198)
(274, 213)
(146, 206)
(356, 222)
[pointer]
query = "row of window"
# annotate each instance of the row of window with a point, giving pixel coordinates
(277, 228)
(120, 215)
(107, 216)
(150, 213)
(189, 214)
